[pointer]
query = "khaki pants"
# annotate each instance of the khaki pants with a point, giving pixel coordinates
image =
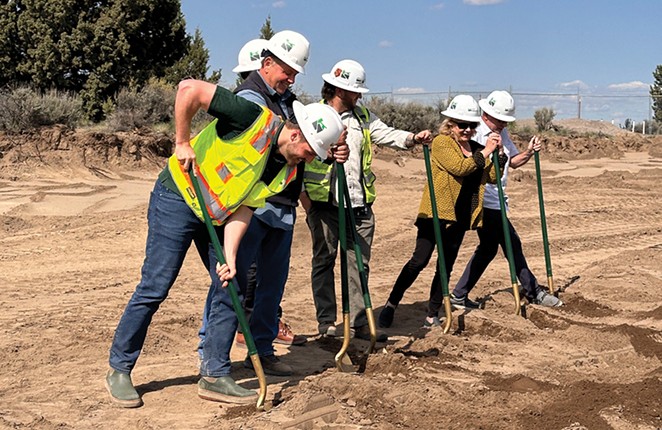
(322, 220)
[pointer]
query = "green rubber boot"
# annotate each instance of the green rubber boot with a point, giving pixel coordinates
(121, 389)
(224, 389)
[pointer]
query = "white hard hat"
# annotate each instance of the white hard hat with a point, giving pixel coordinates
(463, 108)
(291, 48)
(250, 56)
(347, 75)
(500, 105)
(320, 125)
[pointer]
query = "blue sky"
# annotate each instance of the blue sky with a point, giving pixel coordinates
(605, 50)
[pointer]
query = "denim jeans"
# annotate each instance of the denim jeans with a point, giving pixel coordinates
(269, 248)
(172, 226)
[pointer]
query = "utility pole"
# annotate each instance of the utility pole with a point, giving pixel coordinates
(579, 105)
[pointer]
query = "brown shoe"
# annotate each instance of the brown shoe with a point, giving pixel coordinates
(240, 341)
(287, 337)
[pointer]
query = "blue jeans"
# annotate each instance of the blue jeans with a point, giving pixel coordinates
(270, 248)
(172, 226)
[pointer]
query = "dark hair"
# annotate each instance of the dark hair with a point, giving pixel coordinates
(328, 91)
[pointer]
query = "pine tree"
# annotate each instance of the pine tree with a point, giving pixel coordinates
(656, 94)
(92, 47)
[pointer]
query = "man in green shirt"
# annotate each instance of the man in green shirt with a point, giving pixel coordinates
(244, 156)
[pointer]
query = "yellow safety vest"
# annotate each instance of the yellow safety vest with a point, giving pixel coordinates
(317, 176)
(229, 171)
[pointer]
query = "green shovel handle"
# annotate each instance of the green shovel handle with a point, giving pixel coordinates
(232, 289)
(543, 218)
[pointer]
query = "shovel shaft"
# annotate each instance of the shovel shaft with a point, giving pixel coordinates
(363, 276)
(232, 290)
(506, 234)
(343, 363)
(441, 261)
(543, 225)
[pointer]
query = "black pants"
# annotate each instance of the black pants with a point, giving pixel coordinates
(451, 237)
(491, 237)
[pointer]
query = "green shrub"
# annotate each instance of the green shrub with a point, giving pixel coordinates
(23, 109)
(543, 118)
(409, 116)
(153, 104)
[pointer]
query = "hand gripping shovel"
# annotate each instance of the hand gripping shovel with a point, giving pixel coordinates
(543, 224)
(506, 235)
(343, 362)
(359, 260)
(441, 262)
(236, 303)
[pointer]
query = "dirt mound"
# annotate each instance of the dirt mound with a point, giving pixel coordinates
(62, 148)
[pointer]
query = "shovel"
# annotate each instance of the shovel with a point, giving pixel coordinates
(343, 362)
(359, 260)
(543, 224)
(506, 235)
(441, 262)
(232, 289)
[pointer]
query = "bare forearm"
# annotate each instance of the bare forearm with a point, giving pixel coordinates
(521, 159)
(235, 229)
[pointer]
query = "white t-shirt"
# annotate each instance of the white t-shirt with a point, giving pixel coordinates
(491, 198)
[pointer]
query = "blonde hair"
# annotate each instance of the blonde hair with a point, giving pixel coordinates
(446, 128)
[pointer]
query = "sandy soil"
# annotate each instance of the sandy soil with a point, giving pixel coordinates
(72, 243)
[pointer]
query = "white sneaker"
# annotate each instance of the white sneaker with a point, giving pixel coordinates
(545, 299)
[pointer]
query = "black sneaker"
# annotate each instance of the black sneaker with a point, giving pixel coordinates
(386, 316)
(463, 303)
(271, 365)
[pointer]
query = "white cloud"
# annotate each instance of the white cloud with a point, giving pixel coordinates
(409, 90)
(482, 2)
(385, 44)
(574, 85)
(634, 85)
(437, 6)
(279, 4)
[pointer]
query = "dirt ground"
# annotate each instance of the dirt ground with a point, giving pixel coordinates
(72, 237)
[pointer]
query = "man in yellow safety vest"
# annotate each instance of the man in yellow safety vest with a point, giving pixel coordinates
(242, 157)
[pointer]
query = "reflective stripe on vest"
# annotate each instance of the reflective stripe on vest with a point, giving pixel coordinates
(317, 176)
(229, 171)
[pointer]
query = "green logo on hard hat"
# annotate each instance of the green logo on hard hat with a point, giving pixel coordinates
(491, 102)
(344, 74)
(254, 56)
(453, 105)
(319, 125)
(287, 45)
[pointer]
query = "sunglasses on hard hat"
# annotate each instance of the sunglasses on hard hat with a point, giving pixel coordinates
(466, 125)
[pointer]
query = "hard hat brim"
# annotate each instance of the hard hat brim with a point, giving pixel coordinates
(241, 69)
(328, 78)
(307, 128)
(453, 115)
(485, 106)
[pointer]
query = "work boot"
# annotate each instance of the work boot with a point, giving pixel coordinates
(240, 340)
(386, 315)
(121, 389)
(545, 299)
(224, 389)
(363, 332)
(287, 337)
(271, 365)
